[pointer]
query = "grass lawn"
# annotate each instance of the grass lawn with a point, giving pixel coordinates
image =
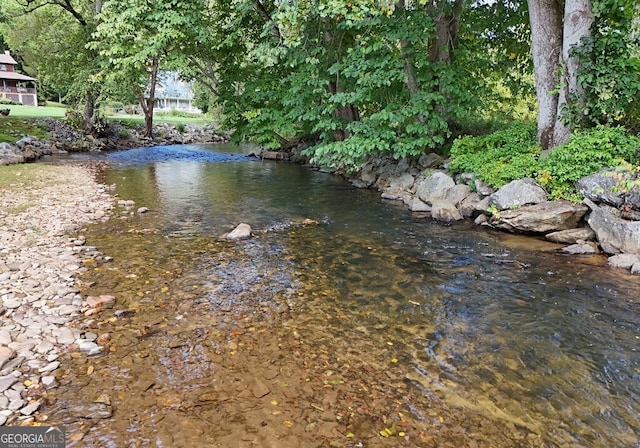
(35, 112)
(20, 120)
(159, 118)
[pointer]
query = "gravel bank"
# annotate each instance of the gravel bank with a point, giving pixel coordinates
(42, 210)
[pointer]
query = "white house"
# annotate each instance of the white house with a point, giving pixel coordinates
(174, 94)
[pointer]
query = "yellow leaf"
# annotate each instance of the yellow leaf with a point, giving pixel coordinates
(164, 289)
(274, 402)
(28, 383)
(401, 434)
(140, 294)
(288, 424)
(350, 435)
(441, 419)
(90, 370)
(394, 360)
(389, 343)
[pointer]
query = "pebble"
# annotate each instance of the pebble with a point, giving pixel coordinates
(39, 296)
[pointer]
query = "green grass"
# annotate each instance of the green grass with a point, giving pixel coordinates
(36, 111)
(20, 120)
(13, 129)
(159, 118)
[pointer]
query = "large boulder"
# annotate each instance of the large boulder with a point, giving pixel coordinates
(469, 205)
(545, 217)
(517, 193)
(434, 187)
(614, 234)
(445, 210)
(403, 182)
(457, 193)
(601, 187)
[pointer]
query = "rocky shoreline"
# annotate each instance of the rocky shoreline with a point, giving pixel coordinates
(40, 255)
(65, 139)
(607, 222)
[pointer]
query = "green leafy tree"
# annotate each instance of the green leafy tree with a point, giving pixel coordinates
(138, 38)
(54, 48)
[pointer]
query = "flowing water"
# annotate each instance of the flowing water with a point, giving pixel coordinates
(363, 326)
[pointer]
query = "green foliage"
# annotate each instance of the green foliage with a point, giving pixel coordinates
(609, 70)
(585, 153)
(514, 153)
(9, 102)
(498, 158)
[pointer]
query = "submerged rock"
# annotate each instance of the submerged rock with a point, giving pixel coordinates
(241, 232)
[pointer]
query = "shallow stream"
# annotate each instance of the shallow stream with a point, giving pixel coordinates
(363, 326)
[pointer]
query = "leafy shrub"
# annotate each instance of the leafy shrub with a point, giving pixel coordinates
(500, 157)
(585, 153)
(9, 102)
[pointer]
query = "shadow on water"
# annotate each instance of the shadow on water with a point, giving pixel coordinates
(371, 328)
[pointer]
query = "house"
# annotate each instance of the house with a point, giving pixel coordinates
(16, 86)
(173, 94)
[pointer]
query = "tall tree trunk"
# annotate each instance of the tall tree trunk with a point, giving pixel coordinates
(545, 17)
(578, 18)
(147, 104)
(89, 110)
(348, 113)
(409, 67)
(443, 44)
(551, 41)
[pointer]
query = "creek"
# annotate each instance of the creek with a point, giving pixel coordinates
(364, 326)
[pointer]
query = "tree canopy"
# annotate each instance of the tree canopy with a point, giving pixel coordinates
(354, 77)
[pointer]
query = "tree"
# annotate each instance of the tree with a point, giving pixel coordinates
(586, 72)
(138, 38)
(54, 47)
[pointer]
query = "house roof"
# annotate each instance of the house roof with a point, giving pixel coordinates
(16, 76)
(5, 58)
(171, 86)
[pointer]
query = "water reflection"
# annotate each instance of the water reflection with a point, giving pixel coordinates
(478, 319)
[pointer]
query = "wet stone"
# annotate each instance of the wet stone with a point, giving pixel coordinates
(50, 367)
(30, 408)
(92, 411)
(259, 389)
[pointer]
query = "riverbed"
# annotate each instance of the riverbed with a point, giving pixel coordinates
(344, 321)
